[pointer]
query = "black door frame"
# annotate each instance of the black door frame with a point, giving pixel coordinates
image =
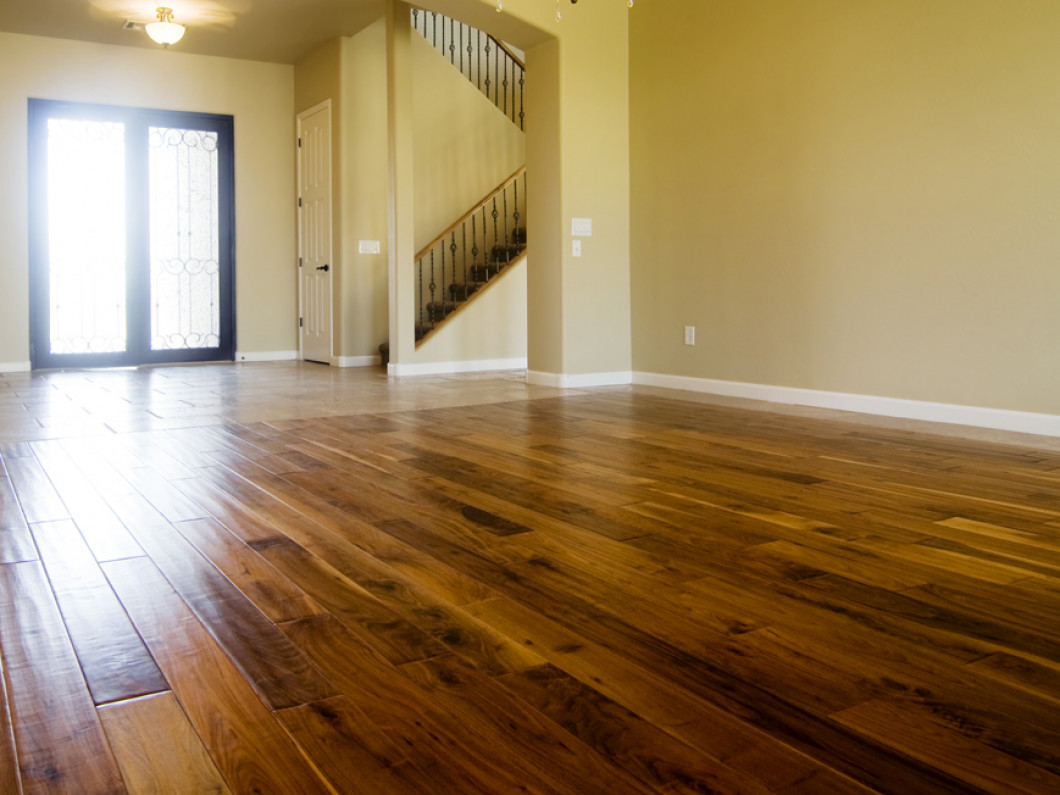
(138, 288)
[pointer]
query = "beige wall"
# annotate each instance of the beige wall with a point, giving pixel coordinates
(853, 197)
(364, 319)
(258, 95)
(464, 146)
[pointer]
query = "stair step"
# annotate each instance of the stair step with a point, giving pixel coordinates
(461, 292)
(437, 310)
(483, 273)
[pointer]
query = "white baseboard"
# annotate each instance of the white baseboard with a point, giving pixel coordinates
(577, 381)
(357, 361)
(449, 368)
(266, 356)
(998, 419)
(15, 367)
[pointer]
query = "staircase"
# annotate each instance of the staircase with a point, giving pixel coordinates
(459, 264)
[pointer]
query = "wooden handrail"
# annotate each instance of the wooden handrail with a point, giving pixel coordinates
(464, 218)
(511, 54)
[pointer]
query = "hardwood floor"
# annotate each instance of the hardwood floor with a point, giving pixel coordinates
(296, 579)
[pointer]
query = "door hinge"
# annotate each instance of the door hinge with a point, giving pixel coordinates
(300, 323)
(299, 143)
(299, 262)
(299, 201)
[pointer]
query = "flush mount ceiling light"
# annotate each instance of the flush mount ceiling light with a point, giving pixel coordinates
(165, 31)
(559, 14)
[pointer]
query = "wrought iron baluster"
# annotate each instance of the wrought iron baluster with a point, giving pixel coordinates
(463, 246)
(507, 239)
(515, 216)
(469, 50)
(478, 58)
(452, 251)
(522, 91)
(496, 234)
(474, 249)
(452, 46)
(505, 106)
(487, 51)
(462, 26)
(434, 29)
(485, 247)
(433, 286)
(442, 249)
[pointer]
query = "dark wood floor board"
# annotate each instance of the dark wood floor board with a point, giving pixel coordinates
(465, 584)
(16, 543)
(354, 458)
(275, 668)
(60, 743)
(420, 606)
(434, 742)
(520, 738)
(962, 622)
(219, 702)
(243, 516)
(714, 732)
(272, 593)
(113, 658)
(627, 740)
(994, 710)
(950, 560)
(1040, 679)
(325, 530)
(353, 754)
(846, 560)
(396, 639)
(729, 692)
(934, 740)
(158, 749)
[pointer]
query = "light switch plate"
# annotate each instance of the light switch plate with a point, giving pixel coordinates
(581, 227)
(576, 248)
(368, 247)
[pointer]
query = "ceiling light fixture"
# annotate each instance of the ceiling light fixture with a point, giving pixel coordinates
(165, 31)
(559, 14)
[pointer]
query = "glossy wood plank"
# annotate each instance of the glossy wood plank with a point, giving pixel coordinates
(106, 536)
(384, 630)
(157, 748)
(272, 593)
(249, 748)
(113, 658)
(276, 669)
(510, 588)
(60, 743)
(10, 779)
(16, 544)
(36, 495)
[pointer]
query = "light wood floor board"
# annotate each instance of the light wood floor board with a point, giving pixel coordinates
(332, 581)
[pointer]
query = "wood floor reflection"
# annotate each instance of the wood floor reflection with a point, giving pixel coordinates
(291, 578)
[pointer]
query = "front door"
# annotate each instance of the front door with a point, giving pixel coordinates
(314, 231)
(131, 236)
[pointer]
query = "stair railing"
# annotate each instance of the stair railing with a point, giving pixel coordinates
(486, 62)
(470, 253)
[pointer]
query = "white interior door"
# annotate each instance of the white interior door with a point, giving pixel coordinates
(314, 232)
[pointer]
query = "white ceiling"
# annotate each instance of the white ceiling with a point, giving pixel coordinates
(281, 31)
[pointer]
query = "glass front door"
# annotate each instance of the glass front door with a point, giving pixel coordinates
(131, 244)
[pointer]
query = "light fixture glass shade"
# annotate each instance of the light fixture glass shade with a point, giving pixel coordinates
(165, 31)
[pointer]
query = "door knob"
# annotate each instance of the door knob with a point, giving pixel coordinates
(324, 268)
